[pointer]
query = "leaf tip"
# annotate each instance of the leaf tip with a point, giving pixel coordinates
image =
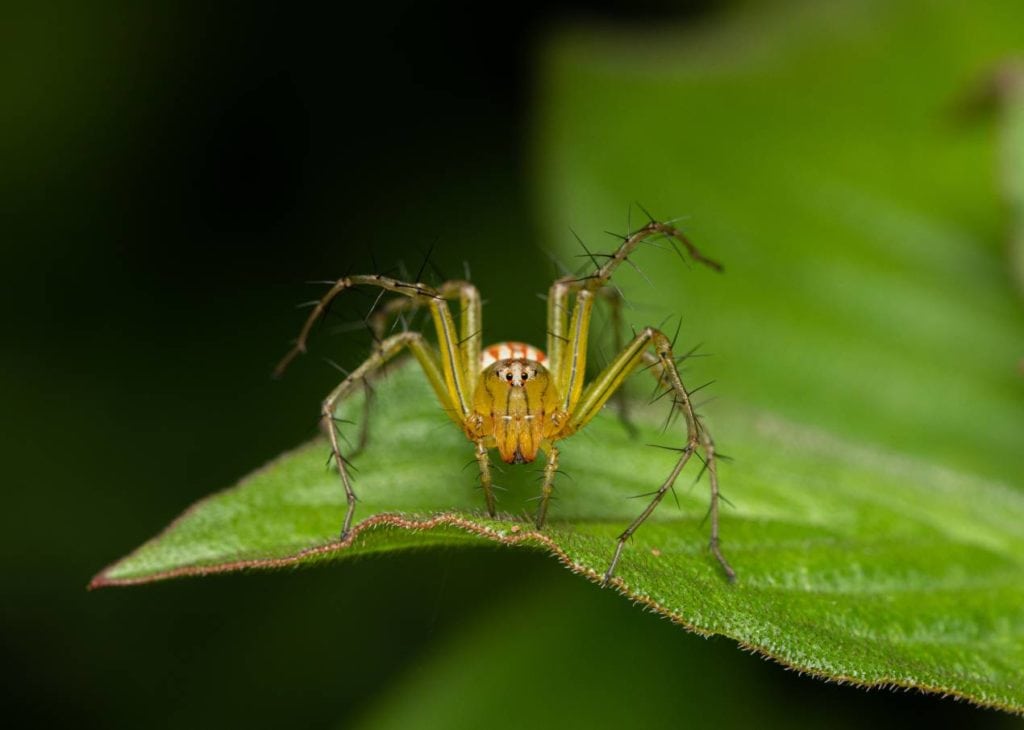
(100, 580)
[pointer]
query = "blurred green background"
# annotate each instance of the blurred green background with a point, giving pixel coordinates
(171, 174)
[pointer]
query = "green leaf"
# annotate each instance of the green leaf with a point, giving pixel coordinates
(853, 563)
(866, 340)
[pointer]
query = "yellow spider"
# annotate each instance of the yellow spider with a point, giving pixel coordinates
(513, 397)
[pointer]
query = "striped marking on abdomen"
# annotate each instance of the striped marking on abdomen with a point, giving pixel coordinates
(508, 351)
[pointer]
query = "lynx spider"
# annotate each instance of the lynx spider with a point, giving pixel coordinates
(515, 398)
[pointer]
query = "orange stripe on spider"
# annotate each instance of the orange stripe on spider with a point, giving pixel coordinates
(510, 351)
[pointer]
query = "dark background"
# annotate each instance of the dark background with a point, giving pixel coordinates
(170, 176)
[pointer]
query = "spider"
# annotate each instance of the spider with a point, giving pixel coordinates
(512, 396)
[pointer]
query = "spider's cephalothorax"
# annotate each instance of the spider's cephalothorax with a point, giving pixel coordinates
(516, 409)
(513, 397)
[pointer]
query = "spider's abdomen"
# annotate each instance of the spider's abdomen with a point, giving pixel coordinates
(516, 403)
(510, 351)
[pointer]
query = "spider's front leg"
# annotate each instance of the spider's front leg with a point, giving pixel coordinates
(607, 383)
(451, 370)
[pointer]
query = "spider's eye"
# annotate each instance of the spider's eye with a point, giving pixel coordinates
(525, 376)
(508, 377)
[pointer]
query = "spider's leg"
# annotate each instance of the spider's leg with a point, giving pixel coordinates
(382, 319)
(615, 301)
(386, 351)
(659, 368)
(604, 386)
(560, 345)
(470, 321)
(364, 424)
(484, 461)
(457, 373)
(568, 333)
(550, 469)
(558, 324)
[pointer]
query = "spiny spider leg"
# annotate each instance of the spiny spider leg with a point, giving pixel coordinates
(550, 469)
(567, 334)
(615, 302)
(470, 336)
(469, 344)
(483, 460)
(364, 425)
(558, 300)
(387, 350)
(567, 345)
(605, 385)
(452, 371)
(383, 314)
(710, 461)
(456, 374)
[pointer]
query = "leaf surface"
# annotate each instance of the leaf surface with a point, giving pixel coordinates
(853, 562)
